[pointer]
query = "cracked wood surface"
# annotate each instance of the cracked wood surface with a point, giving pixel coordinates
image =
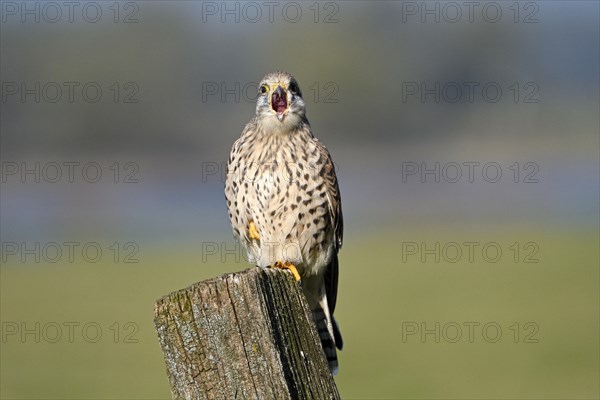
(248, 335)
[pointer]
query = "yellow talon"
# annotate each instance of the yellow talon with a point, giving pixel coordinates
(253, 231)
(289, 266)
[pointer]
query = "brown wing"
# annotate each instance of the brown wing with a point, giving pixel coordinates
(333, 195)
(337, 220)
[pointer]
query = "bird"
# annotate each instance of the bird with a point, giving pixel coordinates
(284, 201)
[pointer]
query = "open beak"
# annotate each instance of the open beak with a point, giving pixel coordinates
(279, 102)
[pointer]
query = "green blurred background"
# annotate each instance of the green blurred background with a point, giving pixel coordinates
(356, 63)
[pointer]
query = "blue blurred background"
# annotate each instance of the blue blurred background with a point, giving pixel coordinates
(388, 87)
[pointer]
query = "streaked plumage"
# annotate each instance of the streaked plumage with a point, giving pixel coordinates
(281, 179)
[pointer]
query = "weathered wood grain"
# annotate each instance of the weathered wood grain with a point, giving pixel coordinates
(248, 335)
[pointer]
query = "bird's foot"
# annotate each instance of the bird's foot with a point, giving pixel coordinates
(289, 266)
(253, 231)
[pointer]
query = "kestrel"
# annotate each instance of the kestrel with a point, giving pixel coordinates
(284, 202)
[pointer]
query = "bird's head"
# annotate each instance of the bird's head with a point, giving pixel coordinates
(280, 100)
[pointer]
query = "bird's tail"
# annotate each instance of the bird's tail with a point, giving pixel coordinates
(330, 336)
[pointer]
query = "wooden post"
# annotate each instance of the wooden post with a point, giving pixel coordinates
(248, 335)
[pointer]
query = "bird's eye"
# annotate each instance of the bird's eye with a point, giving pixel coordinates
(293, 88)
(264, 89)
